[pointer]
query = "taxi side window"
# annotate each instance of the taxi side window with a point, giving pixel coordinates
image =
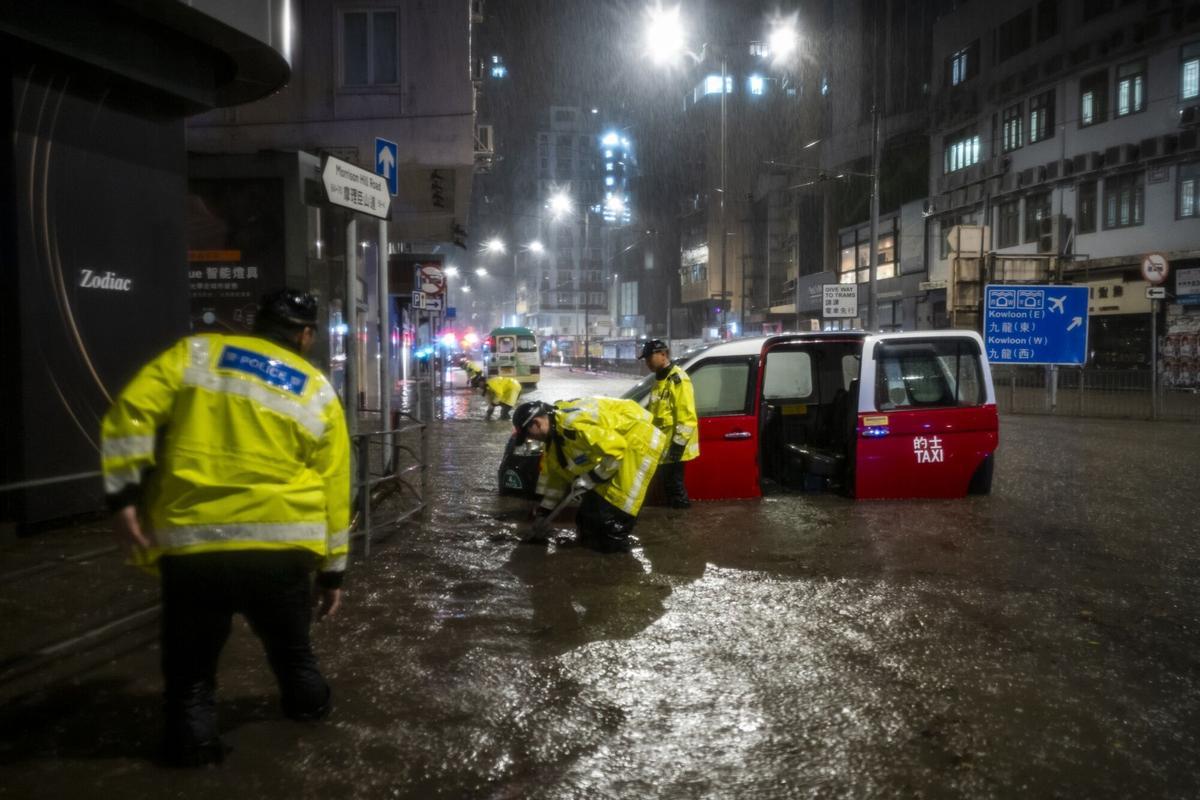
(721, 387)
(916, 374)
(788, 374)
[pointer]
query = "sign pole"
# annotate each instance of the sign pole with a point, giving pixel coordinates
(385, 336)
(351, 316)
(1153, 359)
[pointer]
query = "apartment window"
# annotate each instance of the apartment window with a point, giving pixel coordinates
(1014, 36)
(1008, 233)
(1187, 201)
(1011, 133)
(1047, 19)
(1085, 213)
(1093, 98)
(1037, 210)
(1041, 116)
(1131, 88)
(1124, 200)
(962, 151)
(963, 64)
(370, 48)
(1189, 72)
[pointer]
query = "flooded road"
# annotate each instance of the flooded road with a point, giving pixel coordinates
(1040, 642)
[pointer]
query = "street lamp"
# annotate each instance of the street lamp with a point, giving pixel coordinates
(561, 205)
(481, 272)
(666, 41)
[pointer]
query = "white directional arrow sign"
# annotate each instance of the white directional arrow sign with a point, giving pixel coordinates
(386, 163)
(1075, 323)
(386, 154)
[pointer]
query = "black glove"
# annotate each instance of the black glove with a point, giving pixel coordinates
(675, 453)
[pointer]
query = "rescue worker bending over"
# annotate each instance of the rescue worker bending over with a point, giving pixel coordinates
(606, 447)
(499, 391)
(673, 406)
(227, 463)
(473, 369)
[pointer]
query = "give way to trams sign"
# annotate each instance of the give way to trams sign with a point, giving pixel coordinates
(354, 188)
(839, 300)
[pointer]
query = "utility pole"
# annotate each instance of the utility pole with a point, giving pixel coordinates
(724, 235)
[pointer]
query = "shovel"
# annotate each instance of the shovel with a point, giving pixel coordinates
(541, 528)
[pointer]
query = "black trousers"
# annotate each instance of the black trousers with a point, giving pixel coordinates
(602, 525)
(672, 472)
(201, 593)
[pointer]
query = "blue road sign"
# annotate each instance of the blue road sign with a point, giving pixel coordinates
(1035, 324)
(386, 155)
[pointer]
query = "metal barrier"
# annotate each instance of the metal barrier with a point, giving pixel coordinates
(390, 467)
(1086, 392)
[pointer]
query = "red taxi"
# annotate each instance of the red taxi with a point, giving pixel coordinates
(887, 415)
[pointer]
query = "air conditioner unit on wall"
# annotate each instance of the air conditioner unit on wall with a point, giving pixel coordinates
(1025, 177)
(1052, 170)
(1149, 147)
(1189, 115)
(485, 139)
(1187, 140)
(1130, 154)
(1052, 233)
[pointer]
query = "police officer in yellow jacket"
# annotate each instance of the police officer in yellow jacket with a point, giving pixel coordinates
(673, 406)
(227, 463)
(499, 391)
(605, 447)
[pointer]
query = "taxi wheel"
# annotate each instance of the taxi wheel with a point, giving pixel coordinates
(981, 481)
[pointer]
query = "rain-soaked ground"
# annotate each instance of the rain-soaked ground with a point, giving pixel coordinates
(1040, 642)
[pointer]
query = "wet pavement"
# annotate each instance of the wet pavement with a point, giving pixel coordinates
(1040, 642)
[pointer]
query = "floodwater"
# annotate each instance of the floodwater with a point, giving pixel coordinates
(1039, 642)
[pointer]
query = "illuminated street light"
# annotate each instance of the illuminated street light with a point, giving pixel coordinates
(615, 205)
(495, 245)
(664, 34)
(451, 271)
(783, 39)
(536, 247)
(481, 272)
(560, 205)
(466, 287)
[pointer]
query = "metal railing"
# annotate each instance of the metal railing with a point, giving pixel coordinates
(391, 470)
(1087, 392)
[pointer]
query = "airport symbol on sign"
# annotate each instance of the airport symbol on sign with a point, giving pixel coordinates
(1036, 324)
(386, 154)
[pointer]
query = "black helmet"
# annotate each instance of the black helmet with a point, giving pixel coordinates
(653, 346)
(289, 306)
(527, 413)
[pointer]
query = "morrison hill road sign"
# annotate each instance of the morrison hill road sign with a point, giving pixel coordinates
(1035, 324)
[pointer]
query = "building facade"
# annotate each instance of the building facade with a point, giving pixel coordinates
(1068, 129)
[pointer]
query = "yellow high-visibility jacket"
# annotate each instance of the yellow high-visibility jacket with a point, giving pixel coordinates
(503, 390)
(673, 406)
(613, 440)
(240, 443)
(472, 368)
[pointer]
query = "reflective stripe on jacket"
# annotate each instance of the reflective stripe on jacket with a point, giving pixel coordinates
(253, 452)
(503, 390)
(614, 440)
(673, 406)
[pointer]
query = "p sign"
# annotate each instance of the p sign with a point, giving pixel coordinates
(1155, 268)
